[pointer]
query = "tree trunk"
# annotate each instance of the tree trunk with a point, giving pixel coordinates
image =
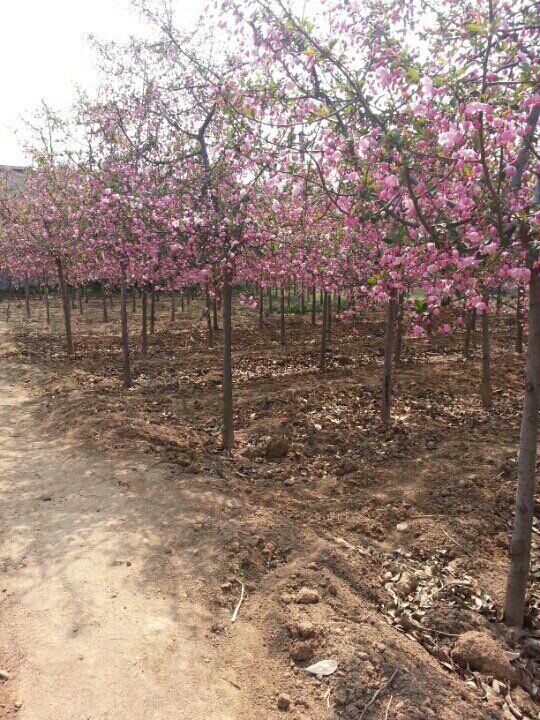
(133, 299)
(282, 314)
(9, 300)
(261, 308)
(47, 305)
(228, 429)
(110, 294)
(210, 335)
(173, 306)
(329, 311)
(73, 292)
(81, 298)
(487, 399)
(338, 309)
(153, 311)
(520, 543)
(303, 301)
(215, 313)
(65, 305)
(289, 299)
(104, 302)
(270, 305)
(27, 297)
(469, 329)
(144, 322)
(313, 305)
(399, 334)
(182, 301)
(124, 330)
(324, 331)
(519, 321)
(386, 404)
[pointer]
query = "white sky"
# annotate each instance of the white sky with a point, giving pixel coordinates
(44, 54)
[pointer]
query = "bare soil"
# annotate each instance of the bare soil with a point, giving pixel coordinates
(118, 592)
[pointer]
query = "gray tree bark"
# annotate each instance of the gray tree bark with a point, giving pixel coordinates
(65, 304)
(520, 543)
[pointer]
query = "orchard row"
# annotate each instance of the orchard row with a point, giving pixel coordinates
(380, 151)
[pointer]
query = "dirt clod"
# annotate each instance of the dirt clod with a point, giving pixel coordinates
(302, 650)
(277, 446)
(307, 596)
(283, 702)
(481, 652)
(406, 584)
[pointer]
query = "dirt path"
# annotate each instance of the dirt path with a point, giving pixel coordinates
(101, 617)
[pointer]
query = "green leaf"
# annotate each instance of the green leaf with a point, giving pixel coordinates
(474, 27)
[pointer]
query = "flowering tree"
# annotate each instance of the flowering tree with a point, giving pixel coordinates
(370, 149)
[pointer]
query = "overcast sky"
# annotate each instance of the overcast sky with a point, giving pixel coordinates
(44, 54)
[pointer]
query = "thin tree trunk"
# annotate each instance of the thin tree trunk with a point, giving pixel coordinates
(144, 322)
(324, 332)
(81, 299)
(134, 299)
(282, 314)
(104, 302)
(173, 306)
(520, 543)
(228, 428)
(313, 305)
(487, 399)
(303, 301)
(153, 311)
(210, 336)
(338, 309)
(65, 305)
(386, 404)
(270, 301)
(329, 310)
(215, 313)
(9, 300)
(73, 292)
(261, 307)
(519, 321)
(47, 304)
(124, 330)
(399, 334)
(27, 297)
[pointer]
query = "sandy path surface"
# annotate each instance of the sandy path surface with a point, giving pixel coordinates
(99, 617)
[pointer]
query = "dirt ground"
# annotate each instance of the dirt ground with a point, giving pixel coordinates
(117, 592)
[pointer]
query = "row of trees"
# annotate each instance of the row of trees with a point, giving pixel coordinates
(384, 151)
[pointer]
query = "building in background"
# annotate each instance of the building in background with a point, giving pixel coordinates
(12, 179)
